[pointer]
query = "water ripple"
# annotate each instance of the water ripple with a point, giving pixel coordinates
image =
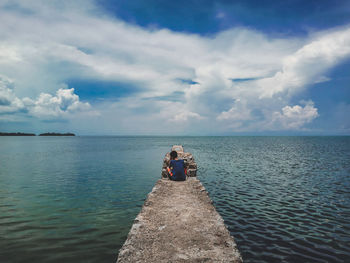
(284, 199)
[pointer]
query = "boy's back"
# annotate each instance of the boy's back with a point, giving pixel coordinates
(178, 169)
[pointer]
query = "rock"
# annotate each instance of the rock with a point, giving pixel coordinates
(190, 163)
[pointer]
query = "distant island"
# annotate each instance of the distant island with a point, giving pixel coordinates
(56, 134)
(16, 134)
(32, 134)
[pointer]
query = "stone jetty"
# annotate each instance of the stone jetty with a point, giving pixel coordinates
(178, 223)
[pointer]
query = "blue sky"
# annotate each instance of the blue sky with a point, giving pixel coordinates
(209, 17)
(175, 67)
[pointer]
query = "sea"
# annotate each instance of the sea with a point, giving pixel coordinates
(74, 199)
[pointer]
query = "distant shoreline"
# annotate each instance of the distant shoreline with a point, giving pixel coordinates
(16, 134)
(32, 134)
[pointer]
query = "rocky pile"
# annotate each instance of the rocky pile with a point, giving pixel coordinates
(190, 163)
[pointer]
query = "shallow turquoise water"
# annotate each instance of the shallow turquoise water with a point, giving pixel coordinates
(73, 199)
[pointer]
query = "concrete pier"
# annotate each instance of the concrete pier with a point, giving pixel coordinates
(178, 223)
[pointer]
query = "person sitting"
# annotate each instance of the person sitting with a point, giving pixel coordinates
(176, 168)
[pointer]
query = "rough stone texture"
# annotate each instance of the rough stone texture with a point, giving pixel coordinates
(190, 163)
(178, 223)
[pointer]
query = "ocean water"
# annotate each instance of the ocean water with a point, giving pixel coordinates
(73, 199)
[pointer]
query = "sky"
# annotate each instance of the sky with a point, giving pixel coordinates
(194, 67)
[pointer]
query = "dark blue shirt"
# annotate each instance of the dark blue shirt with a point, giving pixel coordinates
(178, 169)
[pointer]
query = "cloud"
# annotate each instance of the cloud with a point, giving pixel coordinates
(45, 106)
(9, 103)
(307, 65)
(235, 79)
(294, 117)
(185, 116)
(238, 112)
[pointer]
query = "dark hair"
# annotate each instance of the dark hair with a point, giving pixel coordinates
(173, 155)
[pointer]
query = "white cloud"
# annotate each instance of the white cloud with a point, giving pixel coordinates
(57, 41)
(238, 112)
(9, 103)
(307, 65)
(294, 117)
(47, 106)
(184, 116)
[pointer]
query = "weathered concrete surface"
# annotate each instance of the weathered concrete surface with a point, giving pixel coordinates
(178, 223)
